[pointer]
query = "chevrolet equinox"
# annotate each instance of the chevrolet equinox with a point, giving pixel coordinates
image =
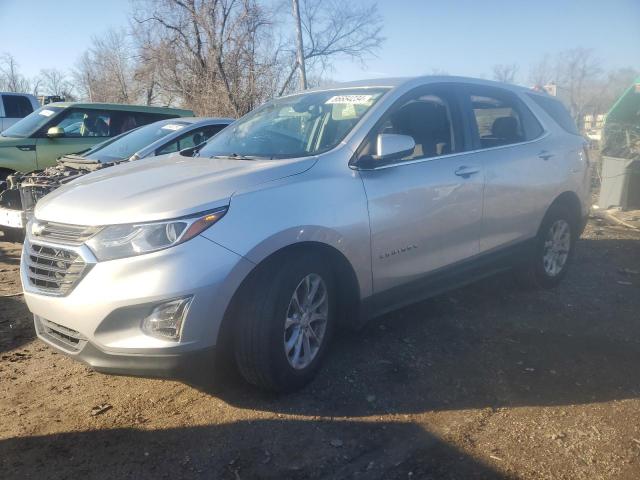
(315, 210)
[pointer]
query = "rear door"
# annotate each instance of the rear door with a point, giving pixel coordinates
(519, 169)
(425, 210)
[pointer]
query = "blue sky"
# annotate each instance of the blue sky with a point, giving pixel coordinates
(464, 37)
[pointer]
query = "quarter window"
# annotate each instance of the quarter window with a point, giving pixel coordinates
(556, 110)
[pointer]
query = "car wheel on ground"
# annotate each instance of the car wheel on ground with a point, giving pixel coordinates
(553, 250)
(284, 322)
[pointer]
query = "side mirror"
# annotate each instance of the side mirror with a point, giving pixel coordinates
(391, 146)
(55, 132)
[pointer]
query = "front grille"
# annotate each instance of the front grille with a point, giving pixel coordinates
(62, 233)
(61, 335)
(53, 270)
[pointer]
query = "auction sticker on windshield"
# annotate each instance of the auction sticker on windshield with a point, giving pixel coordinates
(46, 113)
(350, 99)
(173, 127)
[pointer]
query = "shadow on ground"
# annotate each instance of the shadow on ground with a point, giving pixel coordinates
(487, 345)
(16, 325)
(243, 450)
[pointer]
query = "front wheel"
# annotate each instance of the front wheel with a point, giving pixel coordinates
(284, 322)
(553, 250)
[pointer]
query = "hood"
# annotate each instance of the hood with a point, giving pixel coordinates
(159, 188)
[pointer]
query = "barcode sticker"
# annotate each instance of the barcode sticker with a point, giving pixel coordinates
(173, 127)
(350, 99)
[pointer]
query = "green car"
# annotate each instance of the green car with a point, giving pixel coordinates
(57, 129)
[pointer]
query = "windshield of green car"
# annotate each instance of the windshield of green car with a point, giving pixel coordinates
(126, 145)
(32, 123)
(295, 126)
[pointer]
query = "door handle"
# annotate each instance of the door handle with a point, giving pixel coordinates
(544, 155)
(26, 148)
(465, 171)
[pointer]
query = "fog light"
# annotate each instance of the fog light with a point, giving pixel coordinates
(166, 319)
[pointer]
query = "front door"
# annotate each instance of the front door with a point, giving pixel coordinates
(83, 128)
(425, 210)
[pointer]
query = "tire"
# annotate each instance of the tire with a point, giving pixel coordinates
(261, 327)
(539, 270)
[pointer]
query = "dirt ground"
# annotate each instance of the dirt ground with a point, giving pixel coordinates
(485, 382)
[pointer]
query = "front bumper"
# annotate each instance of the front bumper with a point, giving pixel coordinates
(99, 321)
(194, 366)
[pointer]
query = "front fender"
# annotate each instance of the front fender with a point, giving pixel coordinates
(320, 205)
(18, 154)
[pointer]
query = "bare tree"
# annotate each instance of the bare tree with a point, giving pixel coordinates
(228, 56)
(579, 73)
(333, 29)
(11, 79)
(55, 82)
(542, 72)
(213, 54)
(505, 73)
(105, 72)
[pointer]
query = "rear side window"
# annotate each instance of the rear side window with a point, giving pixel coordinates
(16, 106)
(501, 118)
(556, 110)
(126, 121)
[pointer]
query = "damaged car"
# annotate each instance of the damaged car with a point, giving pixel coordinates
(22, 191)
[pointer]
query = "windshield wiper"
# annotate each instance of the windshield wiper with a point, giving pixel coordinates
(237, 156)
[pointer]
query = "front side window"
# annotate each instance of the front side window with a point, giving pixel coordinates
(86, 123)
(16, 106)
(428, 118)
(296, 126)
(501, 119)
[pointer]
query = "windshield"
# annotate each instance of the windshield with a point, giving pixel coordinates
(128, 144)
(32, 123)
(296, 126)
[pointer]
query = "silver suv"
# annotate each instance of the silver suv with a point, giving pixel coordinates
(313, 211)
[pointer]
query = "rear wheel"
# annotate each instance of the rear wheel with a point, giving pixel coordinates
(553, 250)
(284, 322)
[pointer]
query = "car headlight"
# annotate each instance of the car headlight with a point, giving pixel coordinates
(119, 241)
